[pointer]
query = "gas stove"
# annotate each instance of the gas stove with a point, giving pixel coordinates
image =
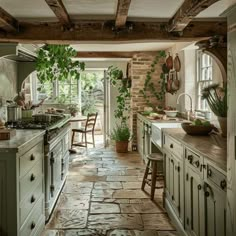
(32, 124)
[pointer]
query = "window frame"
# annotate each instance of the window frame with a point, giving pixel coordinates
(200, 82)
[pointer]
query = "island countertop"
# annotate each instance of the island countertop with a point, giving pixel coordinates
(21, 140)
(213, 147)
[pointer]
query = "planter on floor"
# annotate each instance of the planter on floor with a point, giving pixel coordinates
(122, 146)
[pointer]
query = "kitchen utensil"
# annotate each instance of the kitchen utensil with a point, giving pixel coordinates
(196, 129)
(169, 62)
(42, 118)
(177, 63)
(13, 113)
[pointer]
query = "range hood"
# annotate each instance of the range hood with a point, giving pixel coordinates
(18, 52)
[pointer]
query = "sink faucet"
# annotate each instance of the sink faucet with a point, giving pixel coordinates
(191, 104)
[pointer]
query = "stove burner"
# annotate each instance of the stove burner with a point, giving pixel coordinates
(32, 124)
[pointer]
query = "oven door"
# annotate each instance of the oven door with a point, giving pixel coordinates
(55, 166)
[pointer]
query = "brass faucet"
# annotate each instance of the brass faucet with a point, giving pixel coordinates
(190, 112)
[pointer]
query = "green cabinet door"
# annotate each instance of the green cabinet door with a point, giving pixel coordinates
(215, 211)
(194, 203)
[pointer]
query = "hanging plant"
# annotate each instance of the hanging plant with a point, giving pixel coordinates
(123, 107)
(149, 85)
(54, 62)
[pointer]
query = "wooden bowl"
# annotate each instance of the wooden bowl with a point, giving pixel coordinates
(196, 129)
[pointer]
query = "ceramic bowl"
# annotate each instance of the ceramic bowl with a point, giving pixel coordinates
(171, 113)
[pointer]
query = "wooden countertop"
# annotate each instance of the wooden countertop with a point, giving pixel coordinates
(212, 147)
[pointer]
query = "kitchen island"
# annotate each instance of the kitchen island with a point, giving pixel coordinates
(195, 182)
(22, 184)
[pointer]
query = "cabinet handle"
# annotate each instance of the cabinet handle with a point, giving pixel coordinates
(32, 157)
(171, 161)
(32, 200)
(197, 164)
(223, 184)
(172, 197)
(171, 145)
(209, 172)
(32, 177)
(199, 187)
(190, 158)
(32, 225)
(207, 194)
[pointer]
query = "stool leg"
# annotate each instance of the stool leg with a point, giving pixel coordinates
(154, 177)
(145, 175)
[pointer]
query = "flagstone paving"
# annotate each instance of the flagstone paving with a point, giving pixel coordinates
(102, 197)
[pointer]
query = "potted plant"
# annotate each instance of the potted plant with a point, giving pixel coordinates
(216, 98)
(73, 109)
(121, 134)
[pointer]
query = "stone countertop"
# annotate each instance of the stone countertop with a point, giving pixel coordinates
(213, 147)
(20, 141)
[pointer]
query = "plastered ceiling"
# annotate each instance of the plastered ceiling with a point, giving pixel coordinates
(104, 9)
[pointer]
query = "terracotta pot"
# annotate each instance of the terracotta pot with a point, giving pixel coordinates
(223, 125)
(122, 146)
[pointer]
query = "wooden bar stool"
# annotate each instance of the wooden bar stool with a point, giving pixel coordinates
(155, 169)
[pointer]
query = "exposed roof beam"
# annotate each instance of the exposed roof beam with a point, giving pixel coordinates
(188, 10)
(122, 12)
(102, 31)
(120, 54)
(60, 11)
(8, 22)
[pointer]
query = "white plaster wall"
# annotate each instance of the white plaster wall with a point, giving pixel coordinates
(8, 83)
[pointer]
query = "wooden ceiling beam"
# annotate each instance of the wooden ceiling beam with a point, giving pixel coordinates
(187, 11)
(122, 13)
(60, 11)
(102, 31)
(110, 54)
(8, 22)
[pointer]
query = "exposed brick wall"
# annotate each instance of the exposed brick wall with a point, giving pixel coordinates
(140, 65)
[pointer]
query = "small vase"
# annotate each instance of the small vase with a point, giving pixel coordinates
(223, 125)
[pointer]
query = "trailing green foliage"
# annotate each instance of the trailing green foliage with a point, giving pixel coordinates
(216, 98)
(121, 133)
(123, 98)
(149, 85)
(54, 62)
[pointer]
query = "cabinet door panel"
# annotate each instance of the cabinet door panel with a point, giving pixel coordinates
(194, 202)
(176, 186)
(215, 211)
(167, 172)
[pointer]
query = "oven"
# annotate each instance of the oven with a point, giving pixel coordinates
(56, 166)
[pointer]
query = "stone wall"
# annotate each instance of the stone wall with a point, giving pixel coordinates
(140, 65)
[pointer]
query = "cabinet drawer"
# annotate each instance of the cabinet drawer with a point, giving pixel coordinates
(173, 146)
(31, 179)
(34, 221)
(193, 160)
(30, 158)
(213, 175)
(30, 201)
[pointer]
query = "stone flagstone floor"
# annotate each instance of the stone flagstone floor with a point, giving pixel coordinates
(102, 197)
